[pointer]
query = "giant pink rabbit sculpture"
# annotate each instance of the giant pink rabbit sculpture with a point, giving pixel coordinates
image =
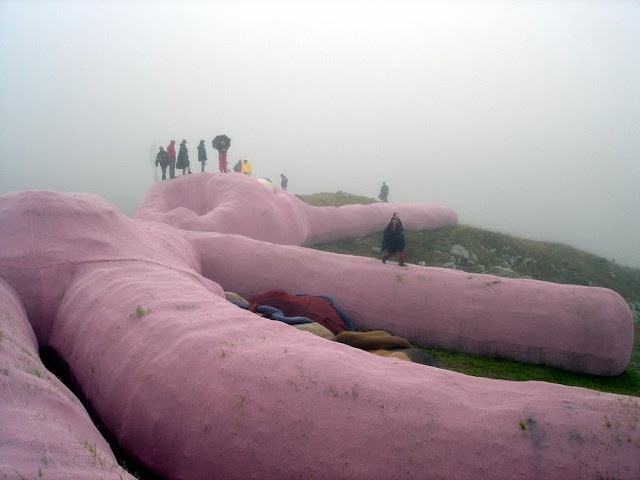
(195, 387)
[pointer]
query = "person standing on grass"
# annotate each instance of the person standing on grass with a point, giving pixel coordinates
(171, 153)
(393, 240)
(384, 192)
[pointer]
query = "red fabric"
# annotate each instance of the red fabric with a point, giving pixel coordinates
(222, 160)
(315, 308)
(171, 151)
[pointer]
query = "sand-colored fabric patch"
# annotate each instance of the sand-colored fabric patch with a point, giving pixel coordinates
(317, 329)
(372, 340)
(390, 353)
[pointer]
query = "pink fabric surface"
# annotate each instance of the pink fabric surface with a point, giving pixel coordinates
(197, 388)
(45, 432)
(232, 203)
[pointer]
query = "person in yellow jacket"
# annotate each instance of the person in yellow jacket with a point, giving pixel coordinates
(246, 167)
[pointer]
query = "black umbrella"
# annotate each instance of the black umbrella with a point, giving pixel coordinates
(221, 143)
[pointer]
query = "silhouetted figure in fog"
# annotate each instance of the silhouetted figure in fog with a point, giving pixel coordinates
(393, 240)
(238, 166)
(171, 153)
(202, 155)
(384, 192)
(183, 158)
(284, 181)
(162, 159)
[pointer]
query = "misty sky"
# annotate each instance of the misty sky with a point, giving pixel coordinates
(524, 117)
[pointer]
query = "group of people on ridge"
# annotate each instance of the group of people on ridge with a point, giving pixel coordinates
(168, 159)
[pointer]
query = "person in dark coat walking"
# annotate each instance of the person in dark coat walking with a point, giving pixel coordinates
(384, 192)
(171, 153)
(162, 159)
(183, 158)
(284, 181)
(393, 240)
(202, 155)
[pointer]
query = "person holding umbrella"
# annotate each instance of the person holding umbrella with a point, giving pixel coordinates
(183, 158)
(222, 144)
(393, 240)
(202, 155)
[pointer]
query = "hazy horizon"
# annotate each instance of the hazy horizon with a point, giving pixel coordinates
(524, 117)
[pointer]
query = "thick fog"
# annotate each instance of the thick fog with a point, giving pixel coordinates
(524, 117)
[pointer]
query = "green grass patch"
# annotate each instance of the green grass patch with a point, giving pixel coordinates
(33, 371)
(337, 199)
(628, 383)
(140, 312)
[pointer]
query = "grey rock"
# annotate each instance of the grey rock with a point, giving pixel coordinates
(510, 260)
(460, 252)
(503, 272)
(462, 256)
(342, 194)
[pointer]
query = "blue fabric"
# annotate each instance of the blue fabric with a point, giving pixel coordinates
(268, 310)
(239, 303)
(343, 316)
(291, 320)
(276, 314)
